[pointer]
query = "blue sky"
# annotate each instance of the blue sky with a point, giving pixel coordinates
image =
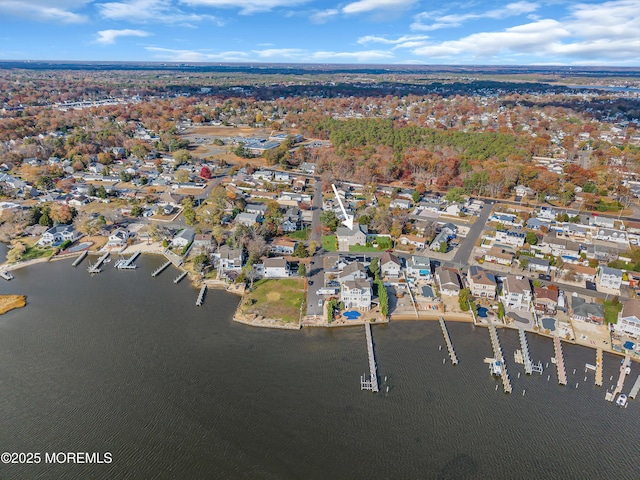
(470, 32)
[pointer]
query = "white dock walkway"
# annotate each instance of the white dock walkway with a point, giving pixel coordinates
(447, 339)
(372, 382)
(526, 358)
(180, 277)
(611, 396)
(635, 388)
(95, 268)
(562, 373)
(158, 270)
(497, 353)
(200, 299)
(79, 260)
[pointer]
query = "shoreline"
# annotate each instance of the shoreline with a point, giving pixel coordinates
(259, 321)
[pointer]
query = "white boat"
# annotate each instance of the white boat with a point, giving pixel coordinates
(496, 368)
(622, 400)
(589, 366)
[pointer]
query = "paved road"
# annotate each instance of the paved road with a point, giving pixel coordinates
(461, 258)
(316, 206)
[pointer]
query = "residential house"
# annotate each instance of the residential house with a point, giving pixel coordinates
(447, 232)
(514, 238)
(203, 241)
(499, 256)
(353, 271)
(390, 265)
(600, 221)
(629, 319)
(583, 311)
(118, 238)
(559, 247)
(400, 203)
(227, 258)
(183, 238)
(291, 220)
(611, 235)
(356, 294)
(545, 300)
(516, 293)
(580, 273)
(282, 177)
(449, 281)
(481, 283)
(258, 208)
(308, 168)
(348, 237)
(535, 223)
(276, 268)
(540, 265)
(414, 240)
(59, 234)
(523, 191)
(248, 219)
(419, 267)
(506, 219)
(283, 246)
(610, 278)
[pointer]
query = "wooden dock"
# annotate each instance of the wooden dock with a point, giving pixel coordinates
(372, 382)
(562, 373)
(447, 339)
(497, 353)
(127, 263)
(95, 268)
(526, 358)
(200, 299)
(79, 260)
(6, 275)
(180, 277)
(635, 389)
(611, 396)
(598, 380)
(158, 270)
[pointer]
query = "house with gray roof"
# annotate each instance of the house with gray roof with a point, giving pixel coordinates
(583, 311)
(610, 278)
(348, 237)
(449, 281)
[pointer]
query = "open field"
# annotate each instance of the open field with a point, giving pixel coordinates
(275, 298)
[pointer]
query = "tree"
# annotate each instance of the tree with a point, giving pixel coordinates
(383, 298)
(301, 251)
(416, 196)
(455, 195)
(531, 238)
(45, 182)
(444, 246)
(205, 173)
(200, 261)
(188, 212)
(302, 270)
(464, 299)
(137, 211)
(329, 219)
(15, 254)
(374, 268)
(182, 176)
(524, 262)
(181, 156)
(101, 192)
(62, 214)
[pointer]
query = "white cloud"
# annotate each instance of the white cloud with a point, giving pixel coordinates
(358, 56)
(174, 55)
(42, 10)
(292, 53)
(107, 37)
(324, 15)
(149, 11)
(403, 40)
(438, 21)
(364, 6)
(246, 7)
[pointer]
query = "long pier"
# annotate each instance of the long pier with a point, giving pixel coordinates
(526, 358)
(95, 268)
(598, 380)
(562, 373)
(635, 388)
(200, 299)
(79, 260)
(497, 353)
(372, 382)
(611, 396)
(447, 339)
(180, 277)
(160, 269)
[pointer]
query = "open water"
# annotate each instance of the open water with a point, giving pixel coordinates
(126, 364)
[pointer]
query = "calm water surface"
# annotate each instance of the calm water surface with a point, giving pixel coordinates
(123, 363)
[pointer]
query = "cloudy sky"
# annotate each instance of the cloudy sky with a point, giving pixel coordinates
(476, 32)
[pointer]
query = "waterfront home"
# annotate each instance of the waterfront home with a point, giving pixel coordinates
(419, 267)
(348, 237)
(583, 311)
(247, 219)
(203, 241)
(481, 283)
(540, 265)
(514, 238)
(415, 240)
(58, 234)
(352, 271)
(227, 258)
(610, 278)
(389, 265)
(499, 256)
(356, 294)
(118, 238)
(516, 293)
(449, 281)
(629, 319)
(183, 238)
(545, 300)
(283, 246)
(275, 268)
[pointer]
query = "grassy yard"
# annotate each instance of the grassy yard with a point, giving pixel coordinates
(276, 298)
(34, 252)
(329, 243)
(299, 235)
(364, 248)
(611, 311)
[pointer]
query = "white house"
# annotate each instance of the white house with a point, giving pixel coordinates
(283, 246)
(356, 294)
(248, 219)
(419, 267)
(448, 281)
(629, 319)
(400, 203)
(415, 240)
(59, 234)
(118, 238)
(353, 271)
(276, 268)
(389, 265)
(516, 293)
(513, 238)
(610, 278)
(481, 282)
(348, 237)
(227, 258)
(183, 238)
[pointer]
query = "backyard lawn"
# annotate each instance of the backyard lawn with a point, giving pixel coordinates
(611, 311)
(299, 234)
(329, 243)
(275, 298)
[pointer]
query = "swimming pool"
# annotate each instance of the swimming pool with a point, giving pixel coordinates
(79, 247)
(549, 323)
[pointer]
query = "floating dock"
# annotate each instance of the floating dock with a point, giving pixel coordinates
(95, 268)
(127, 263)
(372, 382)
(200, 299)
(562, 373)
(160, 269)
(447, 339)
(6, 275)
(611, 396)
(180, 277)
(497, 353)
(598, 380)
(635, 389)
(79, 260)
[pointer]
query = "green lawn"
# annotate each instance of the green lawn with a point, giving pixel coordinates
(329, 243)
(611, 311)
(276, 298)
(36, 252)
(299, 234)
(363, 248)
